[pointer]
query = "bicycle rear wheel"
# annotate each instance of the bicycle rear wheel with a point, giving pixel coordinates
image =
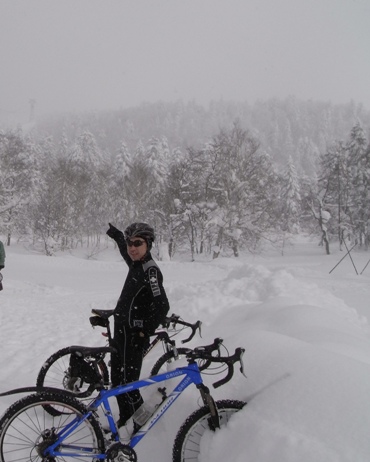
(187, 446)
(28, 429)
(55, 373)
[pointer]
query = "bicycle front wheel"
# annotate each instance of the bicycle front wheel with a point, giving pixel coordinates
(166, 359)
(187, 446)
(27, 430)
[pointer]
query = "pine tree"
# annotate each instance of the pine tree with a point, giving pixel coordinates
(359, 165)
(16, 179)
(291, 199)
(119, 186)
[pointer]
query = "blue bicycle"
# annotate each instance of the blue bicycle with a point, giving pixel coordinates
(28, 432)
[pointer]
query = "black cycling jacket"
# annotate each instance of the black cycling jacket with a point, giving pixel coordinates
(143, 303)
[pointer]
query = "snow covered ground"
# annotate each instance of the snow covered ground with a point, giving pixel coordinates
(305, 331)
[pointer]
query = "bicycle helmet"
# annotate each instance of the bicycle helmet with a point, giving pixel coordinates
(142, 230)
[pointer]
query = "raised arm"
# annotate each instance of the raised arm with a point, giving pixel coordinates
(119, 238)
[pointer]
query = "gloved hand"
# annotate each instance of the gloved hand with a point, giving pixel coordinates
(112, 231)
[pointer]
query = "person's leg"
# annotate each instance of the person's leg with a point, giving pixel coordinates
(129, 402)
(126, 368)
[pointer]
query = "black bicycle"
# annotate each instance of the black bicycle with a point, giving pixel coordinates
(82, 369)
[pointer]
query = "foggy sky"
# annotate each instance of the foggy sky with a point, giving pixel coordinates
(78, 55)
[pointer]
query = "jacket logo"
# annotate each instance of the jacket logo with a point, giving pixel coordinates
(154, 282)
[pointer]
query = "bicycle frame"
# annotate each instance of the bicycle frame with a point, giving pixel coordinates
(191, 375)
(160, 336)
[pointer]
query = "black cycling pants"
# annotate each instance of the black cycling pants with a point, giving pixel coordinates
(125, 368)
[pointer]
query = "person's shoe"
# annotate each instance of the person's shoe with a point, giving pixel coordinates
(125, 430)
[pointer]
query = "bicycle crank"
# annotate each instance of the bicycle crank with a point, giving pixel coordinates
(119, 452)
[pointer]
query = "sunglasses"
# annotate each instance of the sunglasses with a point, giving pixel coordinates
(136, 243)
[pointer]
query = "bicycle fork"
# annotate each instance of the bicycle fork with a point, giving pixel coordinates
(214, 421)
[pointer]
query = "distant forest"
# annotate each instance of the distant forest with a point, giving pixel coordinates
(211, 181)
(284, 128)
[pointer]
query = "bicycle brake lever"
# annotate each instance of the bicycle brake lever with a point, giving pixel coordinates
(242, 368)
(200, 328)
(194, 328)
(242, 364)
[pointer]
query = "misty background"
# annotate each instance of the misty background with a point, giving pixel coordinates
(87, 55)
(227, 125)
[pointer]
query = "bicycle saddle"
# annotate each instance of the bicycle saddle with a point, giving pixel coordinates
(105, 314)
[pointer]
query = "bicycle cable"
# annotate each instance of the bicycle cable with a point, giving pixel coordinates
(216, 368)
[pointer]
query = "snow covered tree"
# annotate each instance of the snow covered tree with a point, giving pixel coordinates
(47, 213)
(224, 192)
(156, 161)
(190, 195)
(335, 179)
(359, 165)
(87, 181)
(290, 203)
(176, 189)
(138, 192)
(307, 157)
(119, 184)
(345, 176)
(147, 185)
(88, 153)
(291, 199)
(244, 179)
(16, 178)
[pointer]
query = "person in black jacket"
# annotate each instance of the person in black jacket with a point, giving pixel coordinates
(2, 256)
(2, 262)
(141, 308)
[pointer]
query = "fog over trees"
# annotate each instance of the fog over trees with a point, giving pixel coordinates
(211, 181)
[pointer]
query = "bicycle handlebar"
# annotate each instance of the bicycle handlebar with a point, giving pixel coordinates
(175, 319)
(203, 353)
(101, 318)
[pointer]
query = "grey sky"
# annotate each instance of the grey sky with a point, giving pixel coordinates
(72, 55)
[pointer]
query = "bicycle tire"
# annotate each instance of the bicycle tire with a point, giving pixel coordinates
(167, 357)
(26, 429)
(54, 373)
(187, 442)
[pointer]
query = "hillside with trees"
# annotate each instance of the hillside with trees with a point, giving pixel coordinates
(212, 181)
